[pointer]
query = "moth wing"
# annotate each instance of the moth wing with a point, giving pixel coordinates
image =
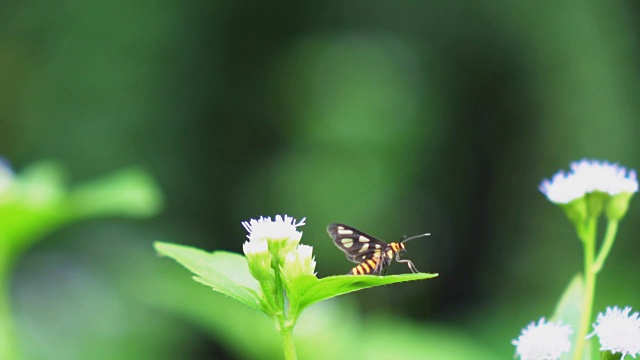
(356, 245)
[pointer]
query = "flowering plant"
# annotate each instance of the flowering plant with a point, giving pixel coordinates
(589, 190)
(276, 275)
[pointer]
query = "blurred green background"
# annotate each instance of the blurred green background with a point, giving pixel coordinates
(394, 117)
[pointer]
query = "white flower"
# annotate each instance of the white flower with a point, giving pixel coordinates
(273, 247)
(561, 189)
(612, 179)
(258, 259)
(587, 176)
(299, 262)
(255, 247)
(543, 341)
(281, 230)
(618, 332)
(269, 243)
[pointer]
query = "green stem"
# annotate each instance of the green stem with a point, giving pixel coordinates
(609, 237)
(280, 302)
(8, 349)
(589, 243)
(285, 325)
(287, 342)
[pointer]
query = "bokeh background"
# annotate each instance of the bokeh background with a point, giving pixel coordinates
(394, 117)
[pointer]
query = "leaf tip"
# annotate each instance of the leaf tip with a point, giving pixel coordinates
(161, 247)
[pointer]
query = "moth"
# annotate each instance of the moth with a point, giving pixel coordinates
(372, 255)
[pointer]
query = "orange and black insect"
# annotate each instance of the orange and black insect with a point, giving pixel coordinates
(373, 256)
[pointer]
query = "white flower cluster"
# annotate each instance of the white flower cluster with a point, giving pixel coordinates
(275, 245)
(587, 176)
(618, 331)
(543, 341)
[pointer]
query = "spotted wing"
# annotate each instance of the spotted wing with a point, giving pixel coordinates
(356, 245)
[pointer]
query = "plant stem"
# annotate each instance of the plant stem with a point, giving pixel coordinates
(589, 243)
(285, 326)
(287, 342)
(609, 237)
(280, 302)
(8, 348)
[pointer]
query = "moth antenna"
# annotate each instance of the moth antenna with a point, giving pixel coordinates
(415, 237)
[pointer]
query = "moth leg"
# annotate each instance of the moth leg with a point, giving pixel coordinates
(408, 262)
(384, 264)
(379, 267)
(383, 270)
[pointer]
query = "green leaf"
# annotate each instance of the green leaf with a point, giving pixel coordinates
(311, 289)
(227, 273)
(570, 308)
(130, 192)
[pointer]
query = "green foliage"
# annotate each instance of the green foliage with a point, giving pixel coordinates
(312, 289)
(39, 201)
(263, 286)
(327, 325)
(229, 274)
(324, 330)
(225, 272)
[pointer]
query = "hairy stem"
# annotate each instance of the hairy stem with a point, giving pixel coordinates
(287, 342)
